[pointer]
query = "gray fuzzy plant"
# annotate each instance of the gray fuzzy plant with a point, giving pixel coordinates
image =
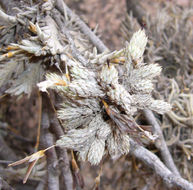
(92, 85)
(126, 87)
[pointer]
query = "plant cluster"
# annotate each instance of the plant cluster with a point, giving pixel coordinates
(87, 81)
(170, 44)
(126, 87)
(98, 94)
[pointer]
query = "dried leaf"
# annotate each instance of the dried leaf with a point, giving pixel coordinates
(6, 71)
(26, 81)
(32, 161)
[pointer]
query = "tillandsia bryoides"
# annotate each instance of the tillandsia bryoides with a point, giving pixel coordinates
(118, 82)
(93, 86)
(101, 93)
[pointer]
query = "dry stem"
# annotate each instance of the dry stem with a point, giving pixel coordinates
(62, 7)
(47, 140)
(63, 155)
(161, 143)
(159, 168)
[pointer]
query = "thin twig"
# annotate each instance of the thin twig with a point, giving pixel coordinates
(62, 7)
(39, 120)
(7, 18)
(76, 173)
(160, 143)
(64, 163)
(47, 140)
(159, 168)
(65, 31)
(41, 184)
(54, 109)
(137, 10)
(3, 96)
(5, 162)
(63, 155)
(62, 152)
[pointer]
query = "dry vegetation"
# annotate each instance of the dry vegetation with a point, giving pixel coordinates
(61, 87)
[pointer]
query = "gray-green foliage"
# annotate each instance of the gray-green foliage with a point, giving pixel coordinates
(84, 79)
(97, 136)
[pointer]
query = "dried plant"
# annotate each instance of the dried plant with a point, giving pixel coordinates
(100, 93)
(88, 79)
(25, 60)
(170, 36)
(170, 33)
(33, 159)
(89, 133)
